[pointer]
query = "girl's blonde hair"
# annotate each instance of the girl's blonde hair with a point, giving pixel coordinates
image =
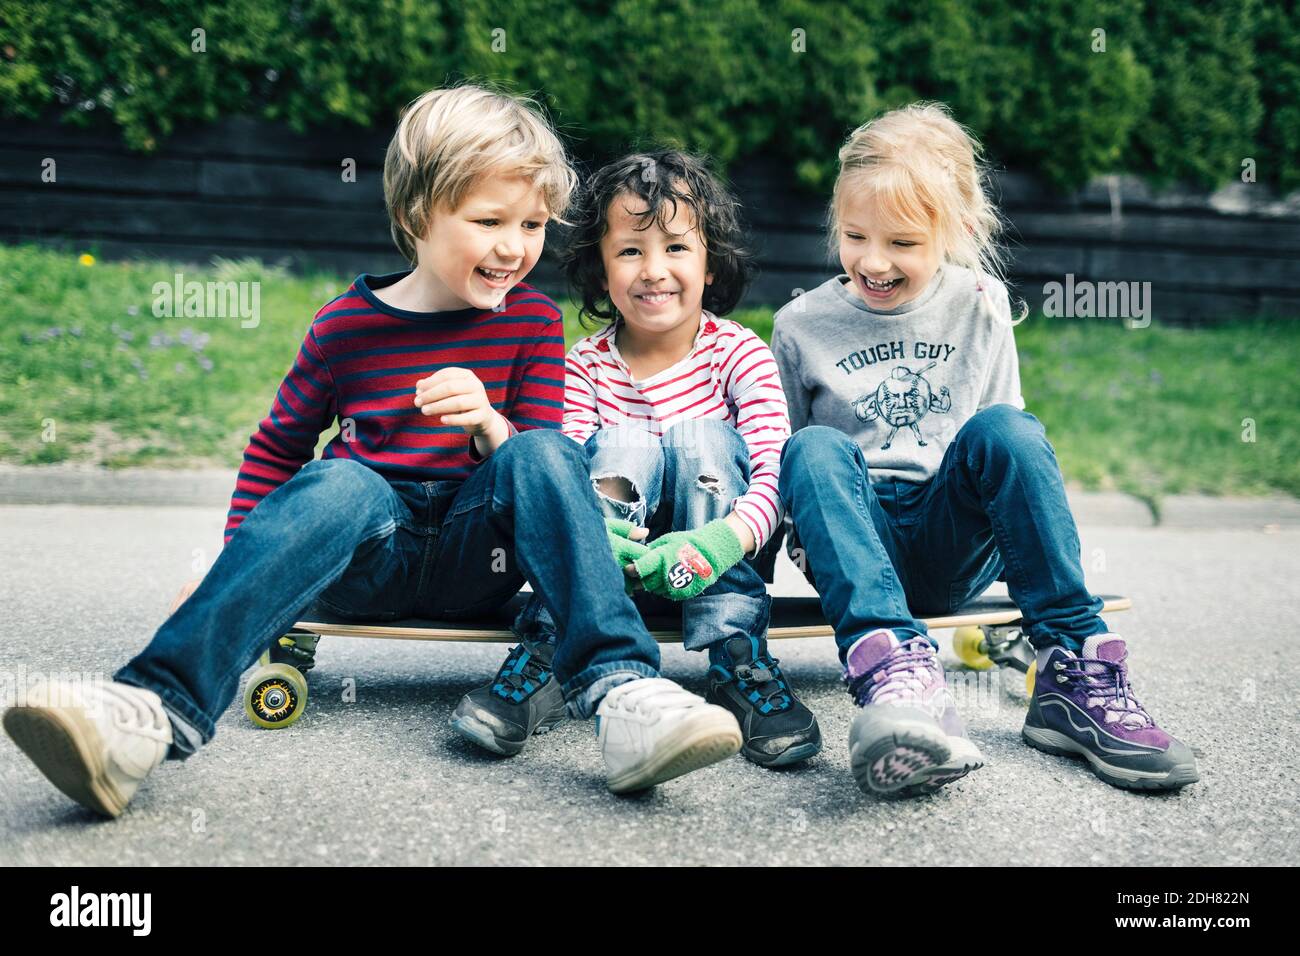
(448, 138)
(927, 172)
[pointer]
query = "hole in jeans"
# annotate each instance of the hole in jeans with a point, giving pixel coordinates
(616, 488)
(711, 484)
(623, 497)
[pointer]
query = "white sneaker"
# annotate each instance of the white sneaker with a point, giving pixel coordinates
(652, 730)
(96, 741)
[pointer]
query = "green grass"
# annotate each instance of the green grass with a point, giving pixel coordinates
(1164, 410)
(1148, 411)
(84, 352)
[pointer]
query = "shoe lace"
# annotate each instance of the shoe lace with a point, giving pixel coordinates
(514, 678)
(1107, 686)
(902, 675)
(763, 683)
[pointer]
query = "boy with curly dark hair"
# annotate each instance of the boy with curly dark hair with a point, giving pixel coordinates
(683, 417)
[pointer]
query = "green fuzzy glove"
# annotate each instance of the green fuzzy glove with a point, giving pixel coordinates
(682, 564)
(626, 551)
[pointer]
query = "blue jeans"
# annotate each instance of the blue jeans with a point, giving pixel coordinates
(679, 482)
(881, 553)
(341, 533)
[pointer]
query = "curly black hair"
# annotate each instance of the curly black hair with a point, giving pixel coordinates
(662, 178)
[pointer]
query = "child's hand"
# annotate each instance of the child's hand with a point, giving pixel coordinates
(188, 588)
(625, 541)
(681, 565)
(457, 396)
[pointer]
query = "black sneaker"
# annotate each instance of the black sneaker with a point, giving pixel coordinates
(523, 699)
(778, 729)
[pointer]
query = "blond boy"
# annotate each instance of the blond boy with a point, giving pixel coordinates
(447, 487)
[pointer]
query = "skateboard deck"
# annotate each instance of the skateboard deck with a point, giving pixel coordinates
(987, 635)
(791, 617)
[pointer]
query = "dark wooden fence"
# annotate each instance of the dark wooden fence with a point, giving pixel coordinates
(249, 188)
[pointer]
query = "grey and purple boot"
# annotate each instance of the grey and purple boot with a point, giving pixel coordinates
(908, 740)
(965, 757)
(1083, 705)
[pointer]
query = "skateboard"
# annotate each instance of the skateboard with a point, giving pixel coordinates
(987, 634)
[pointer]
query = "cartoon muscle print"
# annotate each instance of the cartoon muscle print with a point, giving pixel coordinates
(902, 399)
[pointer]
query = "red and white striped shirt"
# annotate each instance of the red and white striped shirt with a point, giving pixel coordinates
(729, 375)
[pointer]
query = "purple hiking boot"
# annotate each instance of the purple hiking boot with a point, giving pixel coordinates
(1084, 706)
(908, 740)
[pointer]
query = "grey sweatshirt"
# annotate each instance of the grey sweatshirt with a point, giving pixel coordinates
(899, 382)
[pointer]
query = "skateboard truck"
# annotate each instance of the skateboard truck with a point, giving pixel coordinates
(986, 646)
(1008, 647)
(297, 648)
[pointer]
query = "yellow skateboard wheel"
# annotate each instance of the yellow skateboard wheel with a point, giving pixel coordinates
(966, 643)
(275, 696)
(1029, 679)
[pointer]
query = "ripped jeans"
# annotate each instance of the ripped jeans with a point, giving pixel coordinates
(679, 482)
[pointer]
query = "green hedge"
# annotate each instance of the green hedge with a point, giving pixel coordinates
(1181, 92)
(1277, 58)
(1206, 111)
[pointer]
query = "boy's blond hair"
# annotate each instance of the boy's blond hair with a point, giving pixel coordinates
(449, 138)
(927, 172)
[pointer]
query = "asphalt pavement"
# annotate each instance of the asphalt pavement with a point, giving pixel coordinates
(381, 779)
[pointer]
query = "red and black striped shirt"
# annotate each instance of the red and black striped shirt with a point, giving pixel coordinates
(359, 364)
